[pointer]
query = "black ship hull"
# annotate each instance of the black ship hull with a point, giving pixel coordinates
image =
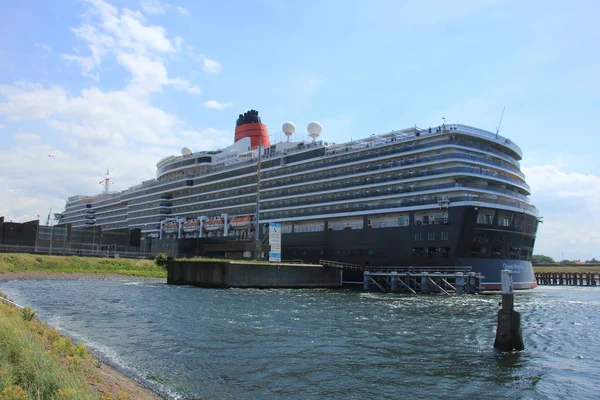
(461, 240)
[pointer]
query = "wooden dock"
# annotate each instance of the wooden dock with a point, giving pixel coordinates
(567, 279)
(457, 283)
(445, 280)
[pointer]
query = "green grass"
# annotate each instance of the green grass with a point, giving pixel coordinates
(17, 262)
(29, 371)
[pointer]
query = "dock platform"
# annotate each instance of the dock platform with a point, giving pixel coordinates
(446, 280)
(567, 279)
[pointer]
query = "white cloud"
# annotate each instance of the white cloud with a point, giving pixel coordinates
(89, 130)
(211, 66)
(26, 137)
(86, 64)
(570, 206)
(154, 6)
(216, 105)
(139, 47)
(150, 75)
(182, 11)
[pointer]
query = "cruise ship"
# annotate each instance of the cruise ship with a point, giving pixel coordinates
(451, 195)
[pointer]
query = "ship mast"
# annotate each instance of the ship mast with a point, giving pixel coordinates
(106, 182)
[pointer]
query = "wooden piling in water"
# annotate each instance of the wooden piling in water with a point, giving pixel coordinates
(509, 336)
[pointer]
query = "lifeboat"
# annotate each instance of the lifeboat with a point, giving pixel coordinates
(241, 222)
(192, 225)
(214, 224)
(171, 227)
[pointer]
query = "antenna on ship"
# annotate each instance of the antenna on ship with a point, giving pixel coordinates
(500, 123)
(106, 182)
(48, 219)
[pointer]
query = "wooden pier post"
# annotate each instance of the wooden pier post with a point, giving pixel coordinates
(394, 281)
(366, 279)
(508, 334)
(460, 283)
(425, 282)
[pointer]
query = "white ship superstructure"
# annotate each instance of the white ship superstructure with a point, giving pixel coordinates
(403, 178)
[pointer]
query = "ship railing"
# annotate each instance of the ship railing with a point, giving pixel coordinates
(420, 269)
(401, 180)
(390, 167)
(345, 227)
(488, 135)
(399, 150)
(394, 204)
(341, 265)
(303, 229)
(220, 168)
(386, 188)
(386, 139)
(387, 224)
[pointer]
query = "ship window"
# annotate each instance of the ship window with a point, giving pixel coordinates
(371, 252)
(444, 235)
(417, 236)
(430, 235)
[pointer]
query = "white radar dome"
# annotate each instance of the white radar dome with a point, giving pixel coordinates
(314, 130)
(186, 151)
(288, 128)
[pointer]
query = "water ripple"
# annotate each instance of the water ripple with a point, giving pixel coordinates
(297, 344)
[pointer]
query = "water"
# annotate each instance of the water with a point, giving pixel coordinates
(301, 344)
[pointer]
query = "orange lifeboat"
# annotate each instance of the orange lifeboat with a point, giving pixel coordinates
(241, 222)
(214, 224)
(171, 227)
(192, 225)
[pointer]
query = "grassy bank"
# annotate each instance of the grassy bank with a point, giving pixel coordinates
(567, 268)
(37, 363)
(17, 262)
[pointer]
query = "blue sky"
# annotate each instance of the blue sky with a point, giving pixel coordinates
(120, 84)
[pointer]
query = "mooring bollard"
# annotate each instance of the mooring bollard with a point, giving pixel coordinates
(508, 334)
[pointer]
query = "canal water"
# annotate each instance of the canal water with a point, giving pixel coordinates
(301, 344)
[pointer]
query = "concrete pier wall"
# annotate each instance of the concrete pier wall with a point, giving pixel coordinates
(251, 275)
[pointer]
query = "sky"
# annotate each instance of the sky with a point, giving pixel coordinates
(87, 86)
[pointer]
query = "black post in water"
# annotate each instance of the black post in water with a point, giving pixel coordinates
(508, 335)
